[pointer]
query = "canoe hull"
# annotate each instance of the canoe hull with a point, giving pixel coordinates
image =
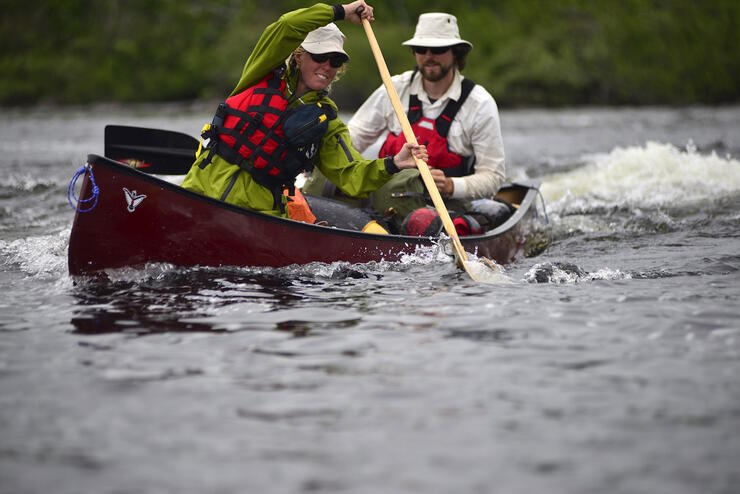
(156, 221)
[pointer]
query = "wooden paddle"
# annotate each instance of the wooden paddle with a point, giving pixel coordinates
(460, 256)
(156, 151)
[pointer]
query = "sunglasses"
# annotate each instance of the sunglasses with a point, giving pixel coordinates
(437, 50)
(335, 59)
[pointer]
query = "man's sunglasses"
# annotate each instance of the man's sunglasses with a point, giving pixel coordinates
(335, 59)
(437, 50)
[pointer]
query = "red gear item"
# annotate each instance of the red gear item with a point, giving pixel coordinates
(425, 222)
(466, 225)
(422, 222)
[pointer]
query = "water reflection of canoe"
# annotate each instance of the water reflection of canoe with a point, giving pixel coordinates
(139, 218)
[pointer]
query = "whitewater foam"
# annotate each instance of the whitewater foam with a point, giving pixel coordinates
(652, 176)
(567, 273)
(40, 256)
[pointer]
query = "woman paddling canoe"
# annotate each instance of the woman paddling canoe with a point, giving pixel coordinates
(279, 120)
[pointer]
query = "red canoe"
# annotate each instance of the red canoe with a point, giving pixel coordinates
(139, 218)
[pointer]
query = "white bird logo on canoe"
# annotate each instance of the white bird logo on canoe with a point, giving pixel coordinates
(132, 199)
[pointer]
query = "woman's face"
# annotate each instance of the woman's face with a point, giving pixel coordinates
(314, 75)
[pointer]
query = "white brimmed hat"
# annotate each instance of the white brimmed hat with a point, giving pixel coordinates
(436, 29)
(326, 39)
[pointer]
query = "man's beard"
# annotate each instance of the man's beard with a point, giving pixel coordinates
(432, 75)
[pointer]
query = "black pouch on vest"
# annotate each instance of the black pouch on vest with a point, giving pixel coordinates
(305, 126)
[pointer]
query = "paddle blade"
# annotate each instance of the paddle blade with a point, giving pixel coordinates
(155, 151)
(484, 270)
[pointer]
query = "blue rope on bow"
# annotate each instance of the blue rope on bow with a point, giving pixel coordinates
(71, 191)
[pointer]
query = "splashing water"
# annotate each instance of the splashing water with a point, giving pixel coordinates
(656, 175)
(564, 273)
(43, 256)
(487, 272)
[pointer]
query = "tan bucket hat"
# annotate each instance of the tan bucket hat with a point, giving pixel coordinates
(436, 29)
(326, 39)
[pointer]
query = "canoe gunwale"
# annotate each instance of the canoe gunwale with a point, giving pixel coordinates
(512, 221)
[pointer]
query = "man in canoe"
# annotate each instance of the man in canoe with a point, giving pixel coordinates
(456, 119)
(279, 121)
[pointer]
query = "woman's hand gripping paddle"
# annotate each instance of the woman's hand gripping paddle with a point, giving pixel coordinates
(477, 271)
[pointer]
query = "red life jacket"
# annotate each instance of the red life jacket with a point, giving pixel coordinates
(433, 134)
(256, 131)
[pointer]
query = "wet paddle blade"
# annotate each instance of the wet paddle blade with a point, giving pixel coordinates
(484, 270)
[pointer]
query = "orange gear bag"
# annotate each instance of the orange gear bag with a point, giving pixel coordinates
(298, 208)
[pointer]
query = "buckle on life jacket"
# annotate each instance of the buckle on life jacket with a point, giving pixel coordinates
(205, 130)
(212, 129)
(210, 132)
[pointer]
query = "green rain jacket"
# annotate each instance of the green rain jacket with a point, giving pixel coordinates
(337, 159)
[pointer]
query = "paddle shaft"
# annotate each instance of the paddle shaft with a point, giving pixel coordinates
(426, 175)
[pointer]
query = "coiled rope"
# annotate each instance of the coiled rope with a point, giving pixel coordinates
(83, 202)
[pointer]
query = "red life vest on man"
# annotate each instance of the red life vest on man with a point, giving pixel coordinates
(256, 131)
(433, 134)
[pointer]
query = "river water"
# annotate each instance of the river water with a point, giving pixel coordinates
(608, 362)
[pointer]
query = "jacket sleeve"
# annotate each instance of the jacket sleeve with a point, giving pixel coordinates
(278, 41)
(341, 163)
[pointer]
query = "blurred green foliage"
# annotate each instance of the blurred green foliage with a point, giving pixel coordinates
(527, 52)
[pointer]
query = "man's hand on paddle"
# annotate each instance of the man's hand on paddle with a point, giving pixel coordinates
(445, 185)
(351, 14)
(405, 158)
